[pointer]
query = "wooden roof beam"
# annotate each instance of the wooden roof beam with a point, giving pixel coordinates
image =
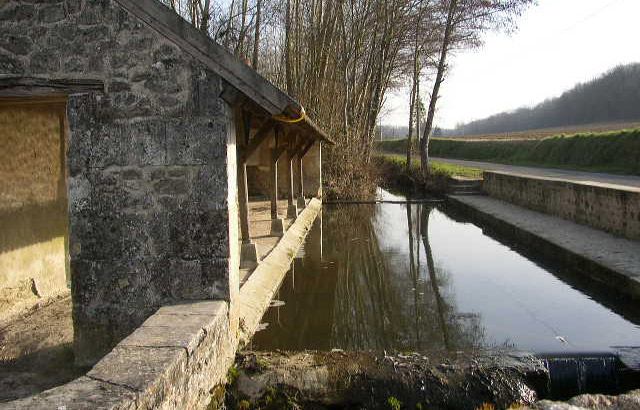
(260, 137)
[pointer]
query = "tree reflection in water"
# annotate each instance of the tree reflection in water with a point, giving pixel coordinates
(349, 293)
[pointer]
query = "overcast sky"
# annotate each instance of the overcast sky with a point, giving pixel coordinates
(559, 43)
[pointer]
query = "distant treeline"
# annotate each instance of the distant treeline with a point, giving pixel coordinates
(612, 97)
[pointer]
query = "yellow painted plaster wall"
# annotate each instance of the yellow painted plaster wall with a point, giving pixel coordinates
(33, 203)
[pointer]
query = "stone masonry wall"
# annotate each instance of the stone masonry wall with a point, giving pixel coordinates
(147, 163)
(602, 207)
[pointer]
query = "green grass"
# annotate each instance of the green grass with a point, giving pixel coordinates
(394, 174)
(616, 151)
(439, 168)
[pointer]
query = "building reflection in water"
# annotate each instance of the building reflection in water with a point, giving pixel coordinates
(361, 296)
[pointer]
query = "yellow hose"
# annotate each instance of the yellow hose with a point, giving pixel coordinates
(286, 120)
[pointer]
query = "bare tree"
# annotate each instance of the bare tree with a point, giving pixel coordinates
(465, 21)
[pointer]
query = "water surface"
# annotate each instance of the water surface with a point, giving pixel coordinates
(409, 277)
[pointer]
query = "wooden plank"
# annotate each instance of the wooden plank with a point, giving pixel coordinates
(34, 86)
(279, 151)
(306, 149)
(260, 137)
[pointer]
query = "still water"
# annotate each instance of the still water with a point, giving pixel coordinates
(410, 277)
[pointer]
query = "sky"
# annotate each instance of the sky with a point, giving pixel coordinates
(558, 44)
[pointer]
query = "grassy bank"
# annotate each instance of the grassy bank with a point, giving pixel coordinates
(393, 173)
(616, 151)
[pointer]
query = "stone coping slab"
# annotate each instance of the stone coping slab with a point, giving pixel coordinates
(171, 361)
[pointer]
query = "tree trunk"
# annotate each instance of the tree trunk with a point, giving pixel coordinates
(256, 39)
(287, 50)
(434, 380)
(206, 16)
(433, 279)
(424, 142)
(412, 104)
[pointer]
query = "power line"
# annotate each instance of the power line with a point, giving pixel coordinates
(577, 23)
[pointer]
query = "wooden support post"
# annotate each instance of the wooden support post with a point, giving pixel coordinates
(277, 224)
(301, 153)
(274, 178)
(243, 202)
(292, 210)
(301, 202)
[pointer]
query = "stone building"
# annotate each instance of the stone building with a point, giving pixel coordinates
(126, 139)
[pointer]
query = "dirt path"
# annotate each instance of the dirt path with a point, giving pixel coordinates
(36, 351)
(576, 176)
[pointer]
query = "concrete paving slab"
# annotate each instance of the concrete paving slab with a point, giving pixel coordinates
(617, 260)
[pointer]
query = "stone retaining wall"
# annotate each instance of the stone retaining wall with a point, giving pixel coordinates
(170, 362)
(610, 208)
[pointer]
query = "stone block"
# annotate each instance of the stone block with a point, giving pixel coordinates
(105, 146)
(210, 186)
(215, 274)
(195, 143)
(10, 64)
(277, 227)
(16, 44)
(92, 34)
(186, 337)
(138, 144)
(45, 62)
(171, 186)
(200, 307)
(136, 241)
(96, 236)
(143, 369)
(205, 91)
(248, 255)
(51, 13)
(17, 12)
(292, 211)
(80, 394)
(198, 234)
(185, 280)
(73, 65)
